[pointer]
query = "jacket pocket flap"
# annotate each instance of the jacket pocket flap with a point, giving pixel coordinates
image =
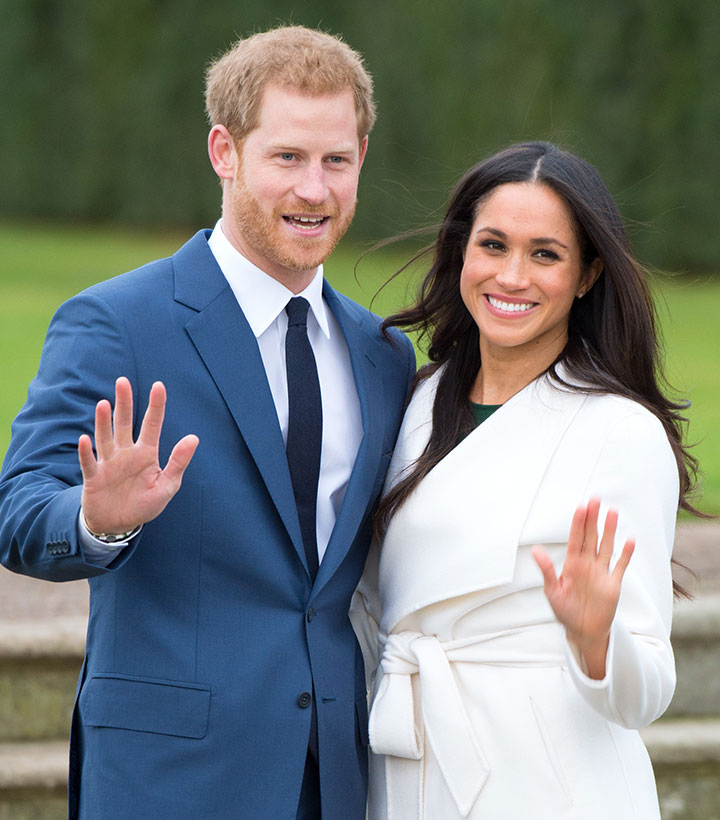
(146, 705)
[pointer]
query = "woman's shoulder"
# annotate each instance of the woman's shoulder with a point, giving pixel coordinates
(611, 406)
(423, 389)
(626, 425)
(617, 407)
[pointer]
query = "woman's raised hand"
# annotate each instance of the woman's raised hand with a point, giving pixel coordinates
(585, 596)
(124, 486)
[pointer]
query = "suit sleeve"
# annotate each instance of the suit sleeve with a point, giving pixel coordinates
(636, 474)
(86, 349)
(411, 362)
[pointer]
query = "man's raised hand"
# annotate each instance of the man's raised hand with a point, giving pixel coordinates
(124, 485)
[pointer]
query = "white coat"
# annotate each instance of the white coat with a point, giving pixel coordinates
(480, 707)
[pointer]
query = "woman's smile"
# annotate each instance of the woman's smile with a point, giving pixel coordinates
(509, 307)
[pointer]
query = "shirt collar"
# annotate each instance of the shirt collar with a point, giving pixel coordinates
(261, 298)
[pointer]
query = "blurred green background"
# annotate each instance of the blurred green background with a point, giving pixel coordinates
(103, 104)
(103, 143)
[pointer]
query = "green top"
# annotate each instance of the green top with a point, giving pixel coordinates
(482, 412)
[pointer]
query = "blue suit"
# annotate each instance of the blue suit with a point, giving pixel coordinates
(205, 635)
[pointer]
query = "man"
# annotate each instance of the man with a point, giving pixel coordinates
(222, 678)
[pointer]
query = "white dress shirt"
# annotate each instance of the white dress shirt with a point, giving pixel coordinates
(263, 301)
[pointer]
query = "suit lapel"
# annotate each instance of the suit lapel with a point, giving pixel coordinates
(229, 350)
(363, 352)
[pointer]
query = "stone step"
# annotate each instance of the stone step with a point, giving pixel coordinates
(685, 755)
(686, 758)
(33, 781)
(39, 666)
(40, 662)
(696, 643)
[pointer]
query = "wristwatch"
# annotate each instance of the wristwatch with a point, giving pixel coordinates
(112, 537)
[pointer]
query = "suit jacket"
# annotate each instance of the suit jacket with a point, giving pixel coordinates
(477, 689)
(205, 635)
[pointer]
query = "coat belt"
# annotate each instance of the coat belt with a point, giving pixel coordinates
(457, 749)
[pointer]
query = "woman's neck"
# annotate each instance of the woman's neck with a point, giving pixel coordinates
(502, 376)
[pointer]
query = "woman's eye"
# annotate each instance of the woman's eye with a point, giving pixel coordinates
(492, 244)
(544, 253)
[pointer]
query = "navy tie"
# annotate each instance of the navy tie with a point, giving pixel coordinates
(304, 437)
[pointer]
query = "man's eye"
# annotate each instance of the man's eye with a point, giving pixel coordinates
(288, 156)
(336, 160)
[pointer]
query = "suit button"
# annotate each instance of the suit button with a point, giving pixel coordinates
(304, 700)
(310, 614)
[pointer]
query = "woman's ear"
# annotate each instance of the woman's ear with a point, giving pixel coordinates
(594, 269)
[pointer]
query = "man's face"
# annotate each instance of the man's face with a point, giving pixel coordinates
(294, 192)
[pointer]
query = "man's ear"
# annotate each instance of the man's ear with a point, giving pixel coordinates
(222, 153)
(363, 151)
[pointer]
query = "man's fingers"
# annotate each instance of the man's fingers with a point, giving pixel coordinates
(123, 413)
(179, 459)
(104, 443)
(86, 457)
(154, 415)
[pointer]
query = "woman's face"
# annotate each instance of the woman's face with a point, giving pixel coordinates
(522, 272)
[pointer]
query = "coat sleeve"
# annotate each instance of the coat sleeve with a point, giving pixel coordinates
(636, 474)
(86, 349)
(365, 615)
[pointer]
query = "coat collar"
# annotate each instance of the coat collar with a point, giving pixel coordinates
(460, 528)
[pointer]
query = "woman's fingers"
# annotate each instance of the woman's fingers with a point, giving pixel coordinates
(607, 542)
(624, 559)
(577, 533)
(583, 539)
(591, 520)
(543, 560)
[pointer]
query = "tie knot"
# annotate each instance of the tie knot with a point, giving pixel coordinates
(297, 311)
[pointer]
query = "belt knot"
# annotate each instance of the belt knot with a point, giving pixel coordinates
(393, 726)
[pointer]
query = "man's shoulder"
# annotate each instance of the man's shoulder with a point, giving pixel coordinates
(370, 322)
(132, 282)
(366, 318)
(150, 283)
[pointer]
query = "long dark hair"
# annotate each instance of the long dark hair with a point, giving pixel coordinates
(612, 341)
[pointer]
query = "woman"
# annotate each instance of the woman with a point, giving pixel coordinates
(511, 679)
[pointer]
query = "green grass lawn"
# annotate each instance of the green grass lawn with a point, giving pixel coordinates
(688, 311)
(41, 266)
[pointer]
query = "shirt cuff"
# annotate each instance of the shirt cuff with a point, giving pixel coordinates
(96, 551)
